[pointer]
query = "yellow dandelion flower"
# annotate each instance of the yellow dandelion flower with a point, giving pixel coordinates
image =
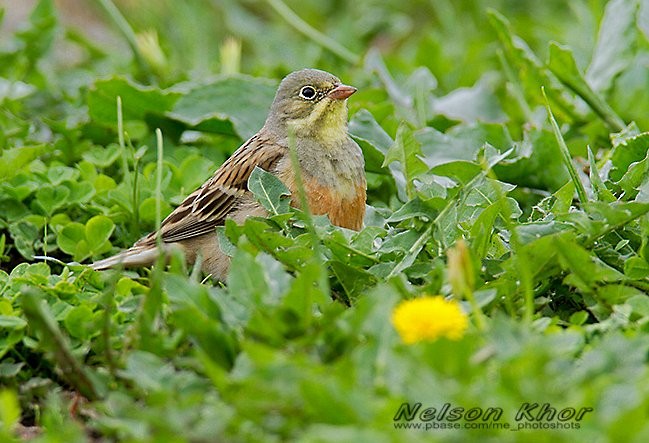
(429, 318)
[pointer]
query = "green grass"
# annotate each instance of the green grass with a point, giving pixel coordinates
(519, 127)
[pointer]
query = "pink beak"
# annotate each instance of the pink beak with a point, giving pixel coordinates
(341, 92)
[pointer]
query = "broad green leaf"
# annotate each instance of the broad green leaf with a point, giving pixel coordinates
(97, 232)
(640, 304)
(615, 42)
(25, 235)
(79, 322)
(102, 157)
(13, 160)
(137, 101)
(80, 192)
(482, 230)
(478, 103)
(198, 313)
(229, 105)
(406, 151)
(636, 268)
(269, 191)
(59, 174)
(631, 181)
(372, 138)
(353, 280)
(563, 198)
(460, 170)
(626, 151)
(70, 236)
(246, 280)
(51, 198)
(586, 268)
(416, 208)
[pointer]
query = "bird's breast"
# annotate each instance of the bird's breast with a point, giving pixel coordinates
(334, 181)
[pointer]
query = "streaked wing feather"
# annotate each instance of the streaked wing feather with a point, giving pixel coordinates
(207, 207)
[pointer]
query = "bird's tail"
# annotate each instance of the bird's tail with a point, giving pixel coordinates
(136, 256)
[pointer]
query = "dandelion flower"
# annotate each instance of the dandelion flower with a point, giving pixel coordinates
(429, 318)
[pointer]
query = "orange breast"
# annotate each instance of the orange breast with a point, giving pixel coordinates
(344, 203)
(344, 211)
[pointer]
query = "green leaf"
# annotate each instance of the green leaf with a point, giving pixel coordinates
(636, 268)
(566, 156)
(59, 174)
(627, 150)
(137, 101)
(372, 138)
(563, 65)
(416, 208)
(97, 231)
(102, 157)
(52, 340)
(79, 322)
(615, 43)
(227, 105)
(269, 191)
(599, 188)
(25, 234)
(246, 280)
(39, 36)
(586, 268)
(532, 74)
(478, 103)
(11, 322)
(406, 151)
(9, 411)
(14, 160)
(70, 236)
(51, 198)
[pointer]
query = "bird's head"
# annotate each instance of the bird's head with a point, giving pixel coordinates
(311, 103)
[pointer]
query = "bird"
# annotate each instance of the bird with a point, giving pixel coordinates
(310, 111)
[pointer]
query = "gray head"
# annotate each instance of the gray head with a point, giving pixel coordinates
(310, 102)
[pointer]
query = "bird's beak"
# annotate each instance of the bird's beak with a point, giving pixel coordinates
(341, 92)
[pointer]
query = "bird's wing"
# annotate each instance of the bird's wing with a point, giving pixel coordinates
(208, 206)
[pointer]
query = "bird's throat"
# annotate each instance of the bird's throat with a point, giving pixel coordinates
(327, 123)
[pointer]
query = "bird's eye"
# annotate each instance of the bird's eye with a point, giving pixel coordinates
(308, 92)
